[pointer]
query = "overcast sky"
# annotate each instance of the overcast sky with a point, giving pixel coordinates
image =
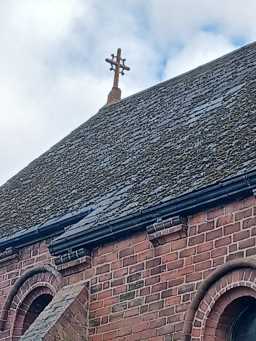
(52, 71)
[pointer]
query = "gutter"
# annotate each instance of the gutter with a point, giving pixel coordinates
(35, 234)
(227, 190)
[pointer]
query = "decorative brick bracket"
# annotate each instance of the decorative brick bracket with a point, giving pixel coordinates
(8, 254)
(164, 231)
(73, 260)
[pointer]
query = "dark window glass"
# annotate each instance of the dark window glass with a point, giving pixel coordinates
(35, 309)
(244, 328)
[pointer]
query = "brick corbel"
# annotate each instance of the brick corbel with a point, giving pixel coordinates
(73, 261)
(8, 255)
(166, 230)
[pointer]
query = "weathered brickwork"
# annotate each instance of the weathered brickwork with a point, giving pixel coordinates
(12, 294)
(141, 290)
(10, 271)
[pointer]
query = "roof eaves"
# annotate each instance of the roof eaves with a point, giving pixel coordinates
(224, 191)
(40, 232)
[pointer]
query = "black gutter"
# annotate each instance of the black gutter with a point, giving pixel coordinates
(42, 232)
(222, 192)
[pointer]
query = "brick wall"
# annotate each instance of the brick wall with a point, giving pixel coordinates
(141, 291)
(11, 270)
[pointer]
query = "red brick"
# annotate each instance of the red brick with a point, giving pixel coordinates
(178, 244)
(159, 287)
(196, 240)
(203, 265)
(153, 262)
(202, 257)
(224, 220)
(206, 226)
(204, 247)
(222, 251)
(246, 243)
(247, 223)
(231, 228)
(189, 251)
(217, 233)
(175, 265)
(152, 298)
(130, 260)
(126, 252)
(136, 268)
(102, 269)
(223, 241)
(241, 235)
(169, 292)
(120, 272)
(194, 277)
(162, 249)
(243, 214)
(152, 280)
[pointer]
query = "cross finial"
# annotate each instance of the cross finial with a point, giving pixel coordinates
(118, 66)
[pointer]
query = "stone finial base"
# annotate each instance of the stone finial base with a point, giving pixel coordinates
(114, 95)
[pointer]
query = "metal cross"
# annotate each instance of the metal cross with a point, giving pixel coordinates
(118, 66)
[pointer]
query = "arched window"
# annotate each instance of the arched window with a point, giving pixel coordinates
(36, 307)
(30, 308)
(237, 321)
(244, 323)
(224, 308)
(28, 297)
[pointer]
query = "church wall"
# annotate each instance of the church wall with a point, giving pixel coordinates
(12, 268)
(141, 290)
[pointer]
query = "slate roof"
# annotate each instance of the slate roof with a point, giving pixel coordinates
(178, 136)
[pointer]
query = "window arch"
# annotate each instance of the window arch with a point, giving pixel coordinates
(39, 281)
(30, 308)
(224, 321)
(216, 312)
